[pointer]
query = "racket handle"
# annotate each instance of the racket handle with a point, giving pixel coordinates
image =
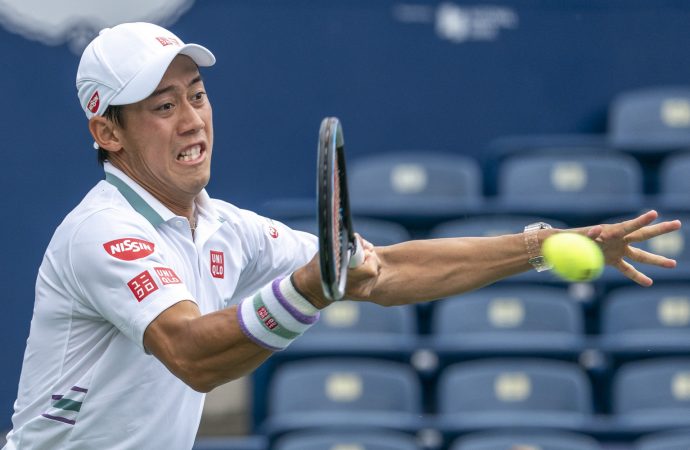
(357, 256)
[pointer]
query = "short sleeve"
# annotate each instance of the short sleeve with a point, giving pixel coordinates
(118, 267)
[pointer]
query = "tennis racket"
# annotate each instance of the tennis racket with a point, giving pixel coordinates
(339, 249)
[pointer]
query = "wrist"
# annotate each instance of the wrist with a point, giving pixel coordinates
(534, 235)
(311, 291)
(276, 315)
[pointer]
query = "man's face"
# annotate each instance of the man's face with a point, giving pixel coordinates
(167, 138)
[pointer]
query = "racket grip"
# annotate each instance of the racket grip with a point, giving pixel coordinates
(357, 256)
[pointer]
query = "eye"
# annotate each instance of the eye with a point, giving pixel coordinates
(165, 107)
(199, 96)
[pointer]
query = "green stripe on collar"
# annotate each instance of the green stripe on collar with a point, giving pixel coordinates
(134, 199)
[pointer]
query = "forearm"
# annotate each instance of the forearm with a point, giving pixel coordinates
(203, 351)
(422, 270)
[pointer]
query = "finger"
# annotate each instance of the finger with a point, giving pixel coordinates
(654, 230)
(640, 221)
(595, 231)
(635, 275)
(365, 244)
(645, 257)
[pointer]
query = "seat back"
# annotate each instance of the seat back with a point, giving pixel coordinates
(364, 319)
(651, 120)
(658, 309)
(674, 182)
(344, 385)
(347, 440)
(670, 440)
(533, 440)
(495, 385)
(652, 386)
(570, 178)
(508, 309)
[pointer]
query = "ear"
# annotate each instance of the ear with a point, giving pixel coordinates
(105, 133)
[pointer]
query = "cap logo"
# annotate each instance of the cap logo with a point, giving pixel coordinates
(94, 103)
(165, 41)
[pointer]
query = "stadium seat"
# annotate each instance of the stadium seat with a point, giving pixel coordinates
(504, 147)
(651, 395)
(339, 392)
(668, 440)
(416, 186)
(650, 120)
(513, 393)
(533, 440)
(232, 443)
(674, 182)
(502, 320)
(646, 322)
(378, 232)
(571, 186)
(359, 328)
(347, 440)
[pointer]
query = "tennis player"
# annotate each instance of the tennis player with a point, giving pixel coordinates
(152, 293)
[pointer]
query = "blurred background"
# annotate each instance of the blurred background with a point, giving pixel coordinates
(461, 118)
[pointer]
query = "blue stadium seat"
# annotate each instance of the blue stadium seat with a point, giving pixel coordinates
(532, 440)
(525, 319)
(674, 182)
(347, 440)
(667, 440)
(639, 322)
(343, 392)
(513, 393)
(359, 328)
(651, 395)
(504, 147)
(232, 443)
(650, 120)
(418, 185)
(571, 186)
(376, 231)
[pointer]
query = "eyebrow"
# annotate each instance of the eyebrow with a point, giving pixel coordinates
(161, 91)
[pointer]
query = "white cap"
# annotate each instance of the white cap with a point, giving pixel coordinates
(124, 64)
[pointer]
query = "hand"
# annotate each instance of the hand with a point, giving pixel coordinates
(360, 280)
(615, 240)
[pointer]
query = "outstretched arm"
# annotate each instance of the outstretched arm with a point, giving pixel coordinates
(424, 270)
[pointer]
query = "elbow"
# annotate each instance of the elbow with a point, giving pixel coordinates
(200, 378)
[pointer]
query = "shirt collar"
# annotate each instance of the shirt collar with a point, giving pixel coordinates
(146, 204)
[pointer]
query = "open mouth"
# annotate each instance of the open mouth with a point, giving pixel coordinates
(190, 154)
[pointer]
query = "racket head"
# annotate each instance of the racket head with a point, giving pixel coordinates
(336, 236)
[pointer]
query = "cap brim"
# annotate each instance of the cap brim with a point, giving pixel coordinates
(146, 81)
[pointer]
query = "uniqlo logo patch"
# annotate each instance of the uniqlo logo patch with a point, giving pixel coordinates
(167, 275)
(142, 285)
(217, 264)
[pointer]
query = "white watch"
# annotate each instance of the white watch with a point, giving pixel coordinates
(535, 258)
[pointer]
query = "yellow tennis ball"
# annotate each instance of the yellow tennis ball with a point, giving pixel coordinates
(574, 257)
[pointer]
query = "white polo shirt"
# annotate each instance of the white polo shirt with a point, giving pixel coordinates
(115, 263)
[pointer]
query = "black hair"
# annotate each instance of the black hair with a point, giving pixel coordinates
(114, 114)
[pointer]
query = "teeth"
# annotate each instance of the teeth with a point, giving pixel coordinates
(190, 154)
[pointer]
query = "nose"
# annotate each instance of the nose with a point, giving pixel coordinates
(191, 120)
